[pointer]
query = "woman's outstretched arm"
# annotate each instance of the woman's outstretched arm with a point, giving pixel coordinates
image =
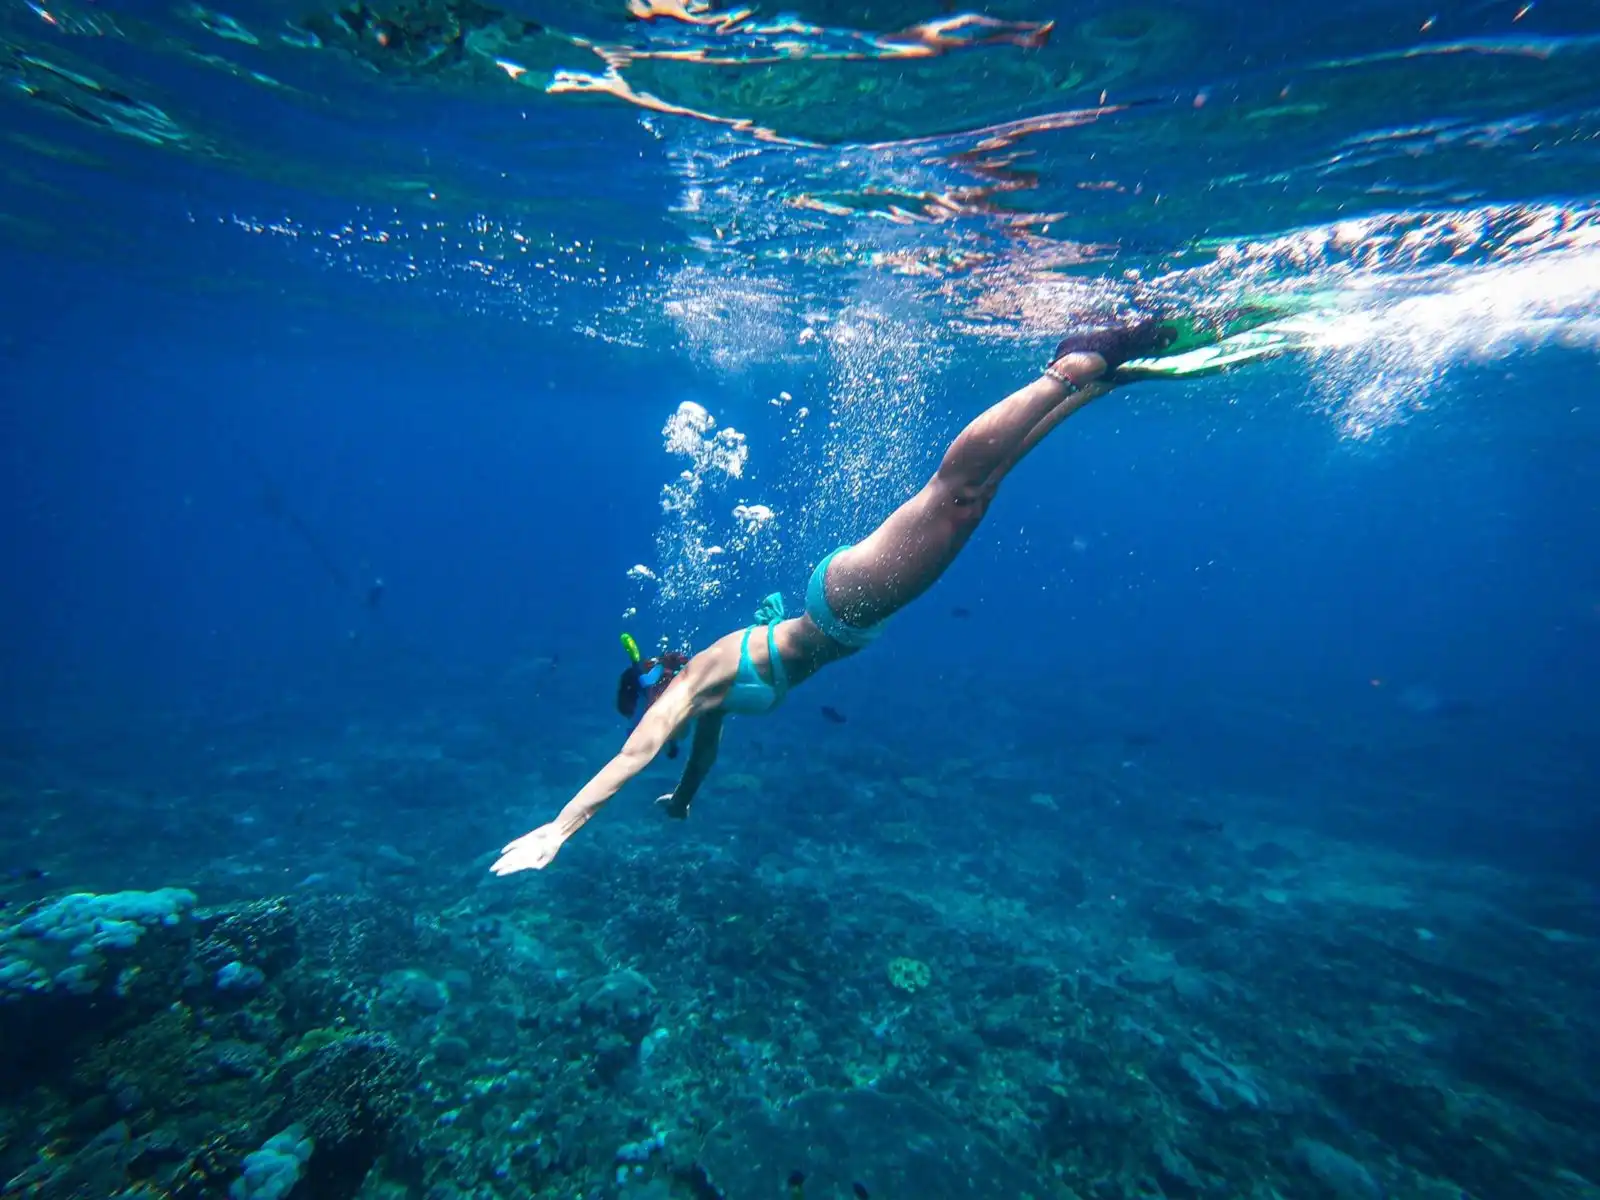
(536, 849)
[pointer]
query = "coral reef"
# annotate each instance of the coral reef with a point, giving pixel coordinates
(162, 1070)
(1191, 1008)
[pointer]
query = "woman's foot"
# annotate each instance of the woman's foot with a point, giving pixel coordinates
(1116, 344)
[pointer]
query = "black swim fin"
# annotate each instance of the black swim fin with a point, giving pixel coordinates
(1118, 343)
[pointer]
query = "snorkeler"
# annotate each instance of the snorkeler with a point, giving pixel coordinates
(646, 679)
(855, 589)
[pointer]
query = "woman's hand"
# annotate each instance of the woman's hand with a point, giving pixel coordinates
(677, 809)
(531, 851)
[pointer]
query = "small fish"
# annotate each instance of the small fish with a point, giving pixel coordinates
(833, 714)
(29, 873)
(960, 614)
(1199, 825)
(797, 1185)
(860, 1190)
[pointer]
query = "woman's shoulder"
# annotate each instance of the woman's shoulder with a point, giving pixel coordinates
(720, 658)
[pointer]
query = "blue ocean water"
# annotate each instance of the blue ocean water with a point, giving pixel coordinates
(1221, 824)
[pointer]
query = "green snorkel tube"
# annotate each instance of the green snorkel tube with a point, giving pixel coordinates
(647, 679)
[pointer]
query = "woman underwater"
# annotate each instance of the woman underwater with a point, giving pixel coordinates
(854, 590)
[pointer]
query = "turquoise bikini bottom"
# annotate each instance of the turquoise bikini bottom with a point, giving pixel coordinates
(751, 694)
(818, 609)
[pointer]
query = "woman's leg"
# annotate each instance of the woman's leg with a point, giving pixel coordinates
(905, 555)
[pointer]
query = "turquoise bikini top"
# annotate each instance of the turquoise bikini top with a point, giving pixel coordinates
(750, 694)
